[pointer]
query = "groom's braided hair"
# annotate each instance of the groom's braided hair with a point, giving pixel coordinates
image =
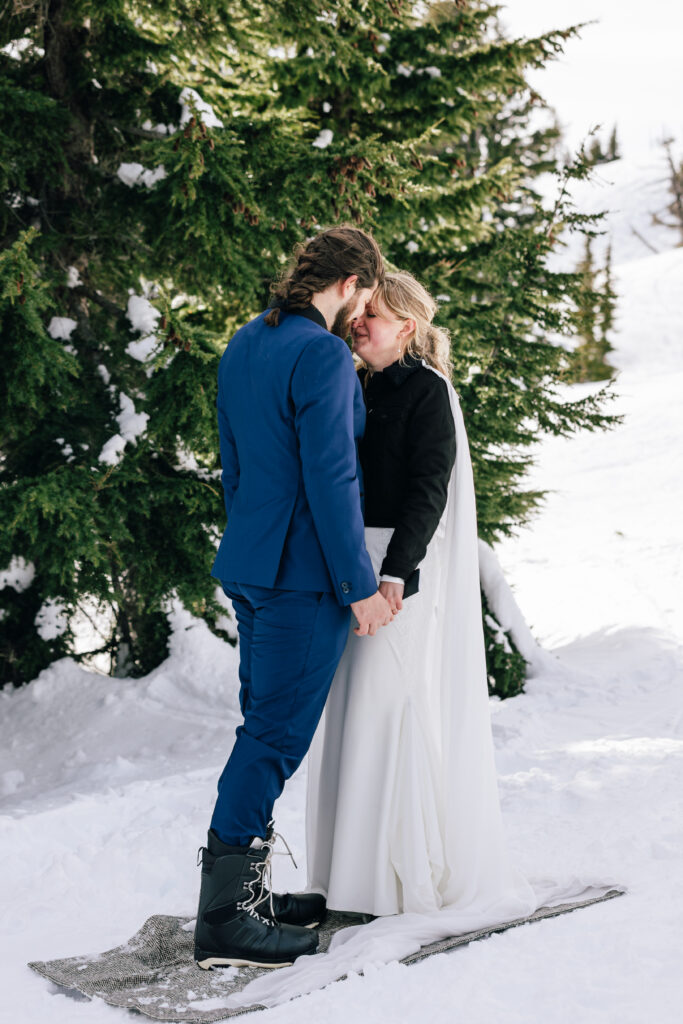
(331, 256)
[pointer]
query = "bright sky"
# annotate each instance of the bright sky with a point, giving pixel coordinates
(627, 69)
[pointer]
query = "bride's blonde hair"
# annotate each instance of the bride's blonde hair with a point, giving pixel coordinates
(407, 299)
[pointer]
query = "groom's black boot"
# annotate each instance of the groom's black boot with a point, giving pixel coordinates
(307, 909)
(230, 931)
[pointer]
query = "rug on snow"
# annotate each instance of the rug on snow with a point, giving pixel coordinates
(155, 974)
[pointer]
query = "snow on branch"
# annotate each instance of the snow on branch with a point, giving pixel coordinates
(18, 575)
(508, 613)
(143, 317)
(190, 98)
(61, 327)
(51, 620)
(131, 425)
(136, 174)
(324, 139)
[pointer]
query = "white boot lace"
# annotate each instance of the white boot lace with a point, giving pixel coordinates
(263, 872)
(262, 880)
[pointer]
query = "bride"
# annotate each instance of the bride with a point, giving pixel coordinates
(403, 817)
(402, 809)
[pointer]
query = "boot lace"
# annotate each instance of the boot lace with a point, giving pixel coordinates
(261, 886)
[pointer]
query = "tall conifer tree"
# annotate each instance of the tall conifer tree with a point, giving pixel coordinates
(595, 305)
(470, 222)
(140, 227)
(167, 159)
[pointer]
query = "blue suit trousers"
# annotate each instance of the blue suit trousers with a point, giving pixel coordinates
(291, 642)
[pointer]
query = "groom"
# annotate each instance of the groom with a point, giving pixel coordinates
(293, 561)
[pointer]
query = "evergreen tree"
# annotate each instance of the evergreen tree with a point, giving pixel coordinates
(505, 666)
(175, 156)
(470, 223)
(674, 209)
(595, 153)
(158, 225)
(598, 155)
(587, 313)
(595, 306)
(479, 237)
(39, 377)
(613, 150)
(607, 305)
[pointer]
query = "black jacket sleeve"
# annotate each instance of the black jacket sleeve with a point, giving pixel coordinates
(430, 444)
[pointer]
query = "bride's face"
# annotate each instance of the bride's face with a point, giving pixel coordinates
(379, 337)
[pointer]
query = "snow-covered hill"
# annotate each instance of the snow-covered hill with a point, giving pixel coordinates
(108, 784)
(634, 195)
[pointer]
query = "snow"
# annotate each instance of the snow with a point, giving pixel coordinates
(61, 327)
(190, 98)
(112, 450)
(634, 195)
(17, 47)
(323, 140)
(51, 619)
(109, 783)
(130, 173)
(143, 348)
(131, 425)
(19, 574)
(282, 52)
(73, 278)
(143, 317)
(135, 174)
(648, 290)
(11, 781)
(507, 612)
(186, 461)
(142, 314)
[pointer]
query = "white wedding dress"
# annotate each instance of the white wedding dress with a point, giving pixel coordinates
(403, 816)
(402, 812)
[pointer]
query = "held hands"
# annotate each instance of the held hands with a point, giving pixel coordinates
(372, 612)
(394, 595)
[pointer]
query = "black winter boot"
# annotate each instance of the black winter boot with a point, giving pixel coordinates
(230, 931)
(308, 909)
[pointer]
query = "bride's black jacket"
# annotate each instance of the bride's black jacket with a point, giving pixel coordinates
(406, 454)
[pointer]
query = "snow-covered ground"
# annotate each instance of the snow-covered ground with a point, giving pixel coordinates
(108, 784)
(634, 195)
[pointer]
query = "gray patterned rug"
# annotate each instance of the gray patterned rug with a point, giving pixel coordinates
(155, 974)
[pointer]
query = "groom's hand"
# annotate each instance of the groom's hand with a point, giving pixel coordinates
(372, 612)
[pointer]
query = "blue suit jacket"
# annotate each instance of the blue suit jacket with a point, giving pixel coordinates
(290, 412)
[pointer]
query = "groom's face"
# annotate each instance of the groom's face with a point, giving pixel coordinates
(352, 308)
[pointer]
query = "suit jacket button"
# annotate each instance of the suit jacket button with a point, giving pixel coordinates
(346, 587)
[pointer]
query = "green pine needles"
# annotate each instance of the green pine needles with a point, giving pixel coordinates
(158, 162)
(505, 666)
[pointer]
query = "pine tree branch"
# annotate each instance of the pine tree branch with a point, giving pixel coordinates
(675, 186)
(143, 133)
(101, 300)
(644, 240)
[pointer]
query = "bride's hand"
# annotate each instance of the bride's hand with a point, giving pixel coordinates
(393, 592)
